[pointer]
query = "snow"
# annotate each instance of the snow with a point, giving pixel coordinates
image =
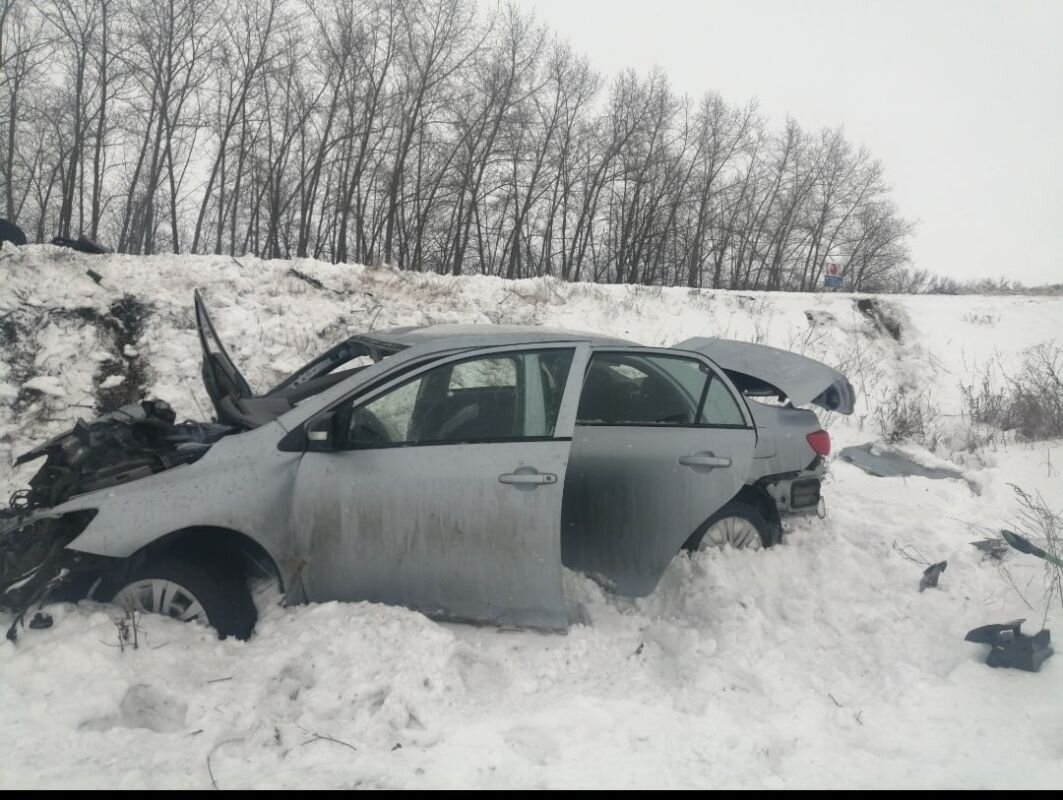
(46, 384)
(111, 381)
(818, 663)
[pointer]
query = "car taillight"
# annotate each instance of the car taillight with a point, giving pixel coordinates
(820, 442)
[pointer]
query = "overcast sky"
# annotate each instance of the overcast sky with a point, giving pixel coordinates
(962, 100)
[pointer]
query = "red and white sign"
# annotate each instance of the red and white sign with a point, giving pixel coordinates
(833, 269)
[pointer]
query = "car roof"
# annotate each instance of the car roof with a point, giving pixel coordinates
(443, 337)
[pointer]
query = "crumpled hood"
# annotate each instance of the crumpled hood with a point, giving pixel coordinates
(130, 443)
(801, 379)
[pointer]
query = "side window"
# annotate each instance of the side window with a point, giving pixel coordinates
(634, 389)
(483, 374)
(720, 407)
(500, 397)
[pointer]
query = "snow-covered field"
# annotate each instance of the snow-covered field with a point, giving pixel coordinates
(818, 663)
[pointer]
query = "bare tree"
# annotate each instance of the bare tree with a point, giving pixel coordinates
(422, 133)
(169, 59)
(242, 53)
(24, 46)
(77, 27)
(435, 47)
(497, 83)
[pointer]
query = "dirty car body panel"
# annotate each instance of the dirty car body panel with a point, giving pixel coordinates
(455, 469)
(460, 525)
(776, 383)
(643, 477)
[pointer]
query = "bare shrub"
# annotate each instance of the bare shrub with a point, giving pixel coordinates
(127, 626)
(862, 364)
(1044, 527)
(981, 319)
(903, 416)
(971, 438)
(635, 297)
(1030, 403)
(884, 317)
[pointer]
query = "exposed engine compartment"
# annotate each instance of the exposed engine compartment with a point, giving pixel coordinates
(131, 443)
(125, 445)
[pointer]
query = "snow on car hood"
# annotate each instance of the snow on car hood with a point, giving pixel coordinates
(803, 380)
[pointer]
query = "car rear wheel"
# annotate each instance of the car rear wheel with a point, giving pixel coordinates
(189, 591)
(737, 525)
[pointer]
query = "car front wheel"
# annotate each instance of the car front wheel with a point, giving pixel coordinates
(189, 591)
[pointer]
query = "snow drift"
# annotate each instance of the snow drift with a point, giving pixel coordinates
(816, 664)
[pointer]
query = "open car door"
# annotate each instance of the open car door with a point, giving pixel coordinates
(757, 369)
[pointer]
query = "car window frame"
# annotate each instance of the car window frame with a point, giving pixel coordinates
(563, 427)
(715, 373)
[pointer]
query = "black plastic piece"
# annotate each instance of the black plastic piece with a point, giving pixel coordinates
(10, 232)
(931, 575)
(1010, 648)
(82, 244)
(1022, 544)
(995, 549)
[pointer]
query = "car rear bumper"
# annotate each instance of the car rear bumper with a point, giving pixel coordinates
(797, 494)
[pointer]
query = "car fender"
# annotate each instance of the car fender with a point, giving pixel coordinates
(243, 483)
(783, 445)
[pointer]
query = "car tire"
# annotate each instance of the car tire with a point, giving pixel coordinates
(739, 525)
(188, 590)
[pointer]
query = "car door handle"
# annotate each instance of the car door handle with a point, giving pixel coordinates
(705, 460)
(527, 477)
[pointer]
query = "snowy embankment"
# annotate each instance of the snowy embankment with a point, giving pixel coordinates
(818, 663)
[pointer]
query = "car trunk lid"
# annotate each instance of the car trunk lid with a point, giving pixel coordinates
(757, 369)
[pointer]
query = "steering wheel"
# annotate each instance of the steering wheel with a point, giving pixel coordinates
(366, 428)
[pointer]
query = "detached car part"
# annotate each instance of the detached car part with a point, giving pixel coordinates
(1012, 648)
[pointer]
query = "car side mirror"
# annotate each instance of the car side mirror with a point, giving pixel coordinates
(321, 433)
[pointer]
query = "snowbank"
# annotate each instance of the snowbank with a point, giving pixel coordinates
(815, 664)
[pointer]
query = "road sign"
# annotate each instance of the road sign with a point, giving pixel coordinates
(832, 281)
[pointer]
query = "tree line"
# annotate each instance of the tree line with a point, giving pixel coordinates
(420, 133)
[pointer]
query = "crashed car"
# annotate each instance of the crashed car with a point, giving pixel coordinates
(451, 469)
